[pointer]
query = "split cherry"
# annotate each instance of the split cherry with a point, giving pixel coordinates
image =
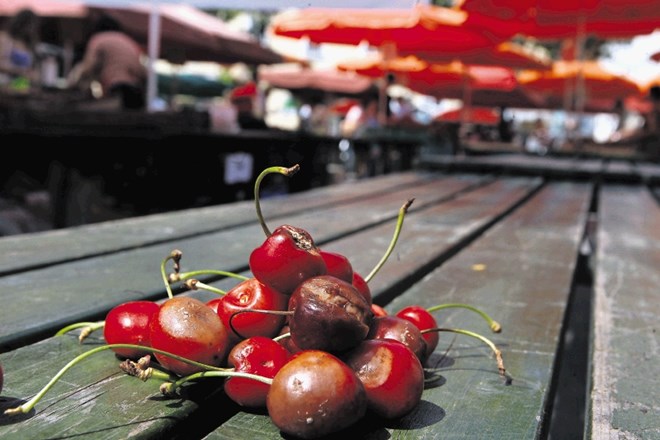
(391, 373)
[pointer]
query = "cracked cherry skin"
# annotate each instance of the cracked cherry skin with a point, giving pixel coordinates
(128, 323)
(286, 258)
(392, 375)
(315, 394)
(189, 328)
(328, 314)
(257, 355)
(249, 295)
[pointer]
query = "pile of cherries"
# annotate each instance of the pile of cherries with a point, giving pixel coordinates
(301, 337)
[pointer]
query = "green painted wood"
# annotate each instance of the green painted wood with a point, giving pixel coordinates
(87, 289)
(94, 399)
(147, 421)
(20, 253)
(625, 371)
(520, 271)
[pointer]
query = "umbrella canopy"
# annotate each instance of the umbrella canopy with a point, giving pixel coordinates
(421, 30)
(601, 88)
(187, 33)
(488, 85)
(316, 82)
(474, 115)
(551, 19)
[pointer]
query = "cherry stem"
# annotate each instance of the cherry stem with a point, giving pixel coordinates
(194, 284)
(498, 354)
(278, 338)
(29, 405)
(494, 325)
(175, 256)
(397, 232)
(87, 329)
(265, 312)
(171, 387)
(257, 184)
(176, 276)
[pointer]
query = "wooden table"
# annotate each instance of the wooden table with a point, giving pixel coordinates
(536, 252)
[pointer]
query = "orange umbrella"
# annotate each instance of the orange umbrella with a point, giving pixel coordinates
(601, 88)
(569, 18)
(488, 85)
(418, 30)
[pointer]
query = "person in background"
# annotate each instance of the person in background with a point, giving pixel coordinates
(114, 60)
(17, 50)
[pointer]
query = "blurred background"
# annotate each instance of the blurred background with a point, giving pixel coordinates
(347, 89)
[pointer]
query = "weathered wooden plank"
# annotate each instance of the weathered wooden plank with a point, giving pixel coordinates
(625, 370)
(20, 253)
(520, 271)
(471, 210)
(88, 288)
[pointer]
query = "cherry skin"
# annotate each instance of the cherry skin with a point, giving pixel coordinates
(257, 355)
(315, 394)
(423, 320)
(286, 258)
(391, 373)
(378, 310)
(328, 314)
(338, 266)
(189, 328)
(361, 285)
(251, 294)
(128, 323)
(399, 329)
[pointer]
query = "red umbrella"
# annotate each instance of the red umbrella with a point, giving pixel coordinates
(420, 30)
(474, 115)
(306, 80)
(44, 8)
(569, 18)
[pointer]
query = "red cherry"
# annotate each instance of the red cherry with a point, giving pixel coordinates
(378, 310)
(361, 285)
(128, 323)
(256, 355)
(187, 327)
(252, 295)
(423, 320)
(391, 374)
(399, 329)
(338, 266)
(286, 258)
(315, 394)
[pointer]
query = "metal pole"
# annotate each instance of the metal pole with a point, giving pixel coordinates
(153, 52)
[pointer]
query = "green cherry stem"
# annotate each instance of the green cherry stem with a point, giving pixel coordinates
(29, 405)
(175, 256)
(171, 387)
(257, 184)
(498, 354)
(494, 325)
(87, 329)
(194, 284)
(395, 237)
(174, 277)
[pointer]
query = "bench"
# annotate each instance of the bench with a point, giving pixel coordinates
(513, 244)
